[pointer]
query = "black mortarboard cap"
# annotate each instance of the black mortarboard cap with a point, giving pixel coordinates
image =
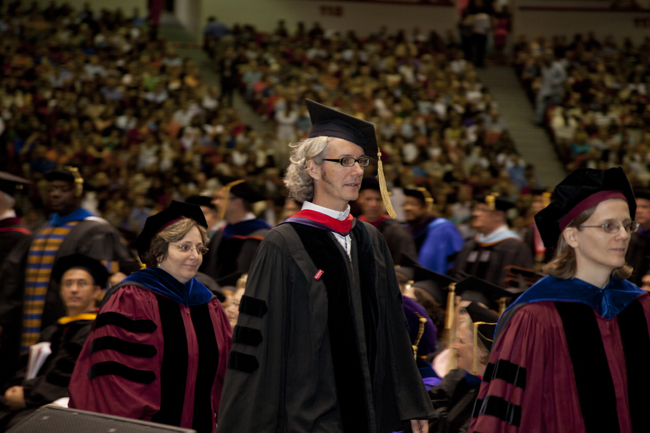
(369, 183)
(434, 283)
(60, 174)
(642, 193)
(419, 193)
(328, 122)
(240, 188)
(9, 183)
(154, 224)
(230, 280)
(211, 284)
(580, 190)
(201, 200)
(495, 202)
(485, 331)
(478, 290)
(80, 261)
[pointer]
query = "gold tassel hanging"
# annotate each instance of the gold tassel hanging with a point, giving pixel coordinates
(227, 187)
(475, 344)
(383, 189)
(423, 322)
(502, 305)
(78, 180)
(451, 298)
(546, 199)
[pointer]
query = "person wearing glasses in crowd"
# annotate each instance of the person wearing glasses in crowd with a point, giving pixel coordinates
(570, 354)
(161, 340)
(321, 342)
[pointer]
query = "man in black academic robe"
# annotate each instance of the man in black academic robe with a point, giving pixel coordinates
(81, 280)
(232, 248)
(638, 252)
(90, 235)
(321, 343)
(495, 246)
(12, 229)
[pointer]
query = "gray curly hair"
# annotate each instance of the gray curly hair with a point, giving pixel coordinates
(299, 183)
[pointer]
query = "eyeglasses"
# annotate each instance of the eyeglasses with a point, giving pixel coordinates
(613, 228)
(348, 161)
(188, 248)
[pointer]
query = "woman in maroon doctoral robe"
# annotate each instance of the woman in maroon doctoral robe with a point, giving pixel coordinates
(570, 355)
(160, 344)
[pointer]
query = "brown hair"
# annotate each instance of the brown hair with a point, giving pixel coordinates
(564, 263)
(175, 232)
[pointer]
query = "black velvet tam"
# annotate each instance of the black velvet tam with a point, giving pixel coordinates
(9, 183)
(485, 331)
(576, 187)
(478, 290)
(328, 122)
(80, 261)
(173, 213)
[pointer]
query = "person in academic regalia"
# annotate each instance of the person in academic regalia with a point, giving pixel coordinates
(454, 398)
(233, 247)
(12, 229)
(321, 343)
(570, 354)
(28, 303)
(372, 208)
(209, 211)
(436, 239)
(495, 246)
(81, 280)
(638, 253)
(160, 344)
(423, 334)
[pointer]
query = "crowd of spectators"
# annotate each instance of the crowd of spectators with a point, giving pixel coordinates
(97, 91)
(437, 125)
(592, 96)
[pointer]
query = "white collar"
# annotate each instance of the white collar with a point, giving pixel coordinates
(327, 211)
(9, 214)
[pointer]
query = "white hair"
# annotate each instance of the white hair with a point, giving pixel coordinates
(299, 183)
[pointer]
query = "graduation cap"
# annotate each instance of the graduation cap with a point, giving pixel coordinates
(240, 189)
(10, 183)
(369, 183)
(80, 261)
(478, 290)
(201, 200)
(421, 194)
(211, 284)
(484, 323)
(328, 122)
(495, 202)
(230, 280)
(579, 191)
(434, 283)
(422, 331)
(156, 223)
(642, 193)
(520, 278)
(67, 174)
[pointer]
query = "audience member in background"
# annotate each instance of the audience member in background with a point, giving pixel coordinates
(28, 303)
(454, 398)
(551, 90)
(145, 358)
(12, 229)
(234, 300)
(208, 209)
(582, 321)
(638, 252)
(399, 240)
(82, 281)
(437, 239)
(233, 247)
(495, 246)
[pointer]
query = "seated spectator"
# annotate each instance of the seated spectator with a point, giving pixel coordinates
(82, 280)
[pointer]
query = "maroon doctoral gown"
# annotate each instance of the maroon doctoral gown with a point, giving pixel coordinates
(569, 357)
(154, 359)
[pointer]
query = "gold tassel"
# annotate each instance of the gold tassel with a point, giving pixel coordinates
(383, 189)
(78, 180)
(423, 322)
(451, 298)
(502, 305)
(546, 199)
(428, 200)
(222, 211)
(475, 344)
